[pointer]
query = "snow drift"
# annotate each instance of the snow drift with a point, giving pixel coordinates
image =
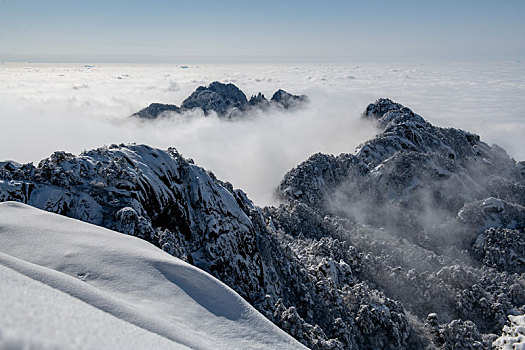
(147, 296)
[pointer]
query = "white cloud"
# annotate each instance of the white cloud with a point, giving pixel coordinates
(48, 107)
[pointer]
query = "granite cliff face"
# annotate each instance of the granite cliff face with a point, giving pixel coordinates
(227, 100)
(413, 241)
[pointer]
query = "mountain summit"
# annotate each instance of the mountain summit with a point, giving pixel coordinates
(227, 100)
(413, 241)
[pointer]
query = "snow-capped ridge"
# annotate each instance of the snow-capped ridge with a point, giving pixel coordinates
(437, 214)
(444, 167)
(165, 199)
(418, 220)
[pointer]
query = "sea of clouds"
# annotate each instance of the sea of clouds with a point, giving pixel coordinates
(46, 107)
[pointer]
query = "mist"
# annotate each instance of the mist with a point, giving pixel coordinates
(73, 107)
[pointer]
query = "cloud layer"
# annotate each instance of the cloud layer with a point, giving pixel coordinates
(72, 107)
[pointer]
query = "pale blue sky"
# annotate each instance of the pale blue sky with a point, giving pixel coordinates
(268, 30)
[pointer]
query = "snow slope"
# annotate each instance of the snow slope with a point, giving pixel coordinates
(513, 337)
(68, 284)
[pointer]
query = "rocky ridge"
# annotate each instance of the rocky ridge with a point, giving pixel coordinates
(165, 199)
(439, 216)
(227, 100)
(414, 241)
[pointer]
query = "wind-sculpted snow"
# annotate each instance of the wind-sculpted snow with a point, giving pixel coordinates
(414, 241)
(121, 282)
(227, 100)
(513, 337)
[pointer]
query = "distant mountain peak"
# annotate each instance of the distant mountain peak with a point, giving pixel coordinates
(227, 100)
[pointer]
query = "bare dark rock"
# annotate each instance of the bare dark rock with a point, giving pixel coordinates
(287, 100)
(226, 100)
(155, 110)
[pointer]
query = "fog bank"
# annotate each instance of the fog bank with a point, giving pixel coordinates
(72, 107)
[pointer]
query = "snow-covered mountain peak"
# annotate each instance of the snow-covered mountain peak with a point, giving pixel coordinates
(413, 241)
(408, 156)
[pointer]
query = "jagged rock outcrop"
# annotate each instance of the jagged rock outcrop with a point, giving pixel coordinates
(436, 214)
(155, 110)
(227, 100)
(217, 97)
(153, 195)
(409, 176)
(165, 199)
(288, 100)
(414, 241)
